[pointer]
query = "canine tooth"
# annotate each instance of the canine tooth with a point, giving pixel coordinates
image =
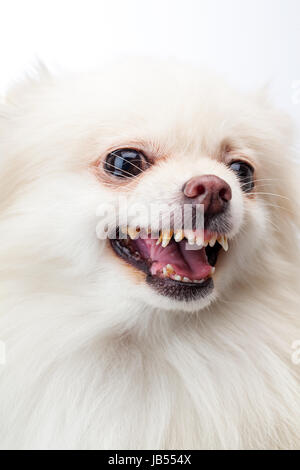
(159, 239)
(223, 242)
(199, 281)
(166, 237)
(177, 277)
(212, 241)
(133, 233)
(212, 270)
(186, 279)
(179, 235)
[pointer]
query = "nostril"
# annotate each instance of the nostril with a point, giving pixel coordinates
(222, 194)
(225, 193)
(201, 189)
(193, 188)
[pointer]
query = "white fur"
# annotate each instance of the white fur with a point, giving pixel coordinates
(95, 358)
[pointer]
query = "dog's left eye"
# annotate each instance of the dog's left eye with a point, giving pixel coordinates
(244, 172)
(125, 163)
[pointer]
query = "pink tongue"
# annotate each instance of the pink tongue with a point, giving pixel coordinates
(191, 263)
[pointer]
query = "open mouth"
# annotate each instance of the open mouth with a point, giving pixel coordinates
(178, 264)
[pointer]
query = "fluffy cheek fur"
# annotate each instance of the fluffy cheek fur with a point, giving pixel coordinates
(246, 249)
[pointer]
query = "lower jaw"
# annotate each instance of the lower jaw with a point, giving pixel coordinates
(180, 291)
(166, 287)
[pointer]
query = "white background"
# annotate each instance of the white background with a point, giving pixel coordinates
(249, 41)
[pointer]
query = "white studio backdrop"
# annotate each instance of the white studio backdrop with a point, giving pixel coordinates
(251, 42)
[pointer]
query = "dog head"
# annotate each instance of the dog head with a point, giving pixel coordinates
(125, 152)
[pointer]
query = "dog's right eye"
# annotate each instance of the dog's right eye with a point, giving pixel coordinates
(125, 163)
(244, 172)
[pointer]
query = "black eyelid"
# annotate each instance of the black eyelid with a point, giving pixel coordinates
(241, 162)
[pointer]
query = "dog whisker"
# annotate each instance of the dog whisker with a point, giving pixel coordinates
(273, 194)
(123, 171)
(127, 161)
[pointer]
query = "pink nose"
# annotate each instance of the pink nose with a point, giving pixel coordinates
(209, 190)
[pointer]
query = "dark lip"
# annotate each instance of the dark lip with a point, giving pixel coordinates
(176, 290)
(180, 291)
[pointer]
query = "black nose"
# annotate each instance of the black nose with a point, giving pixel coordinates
(209, 190)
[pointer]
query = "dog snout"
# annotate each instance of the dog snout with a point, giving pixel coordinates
(210, 190)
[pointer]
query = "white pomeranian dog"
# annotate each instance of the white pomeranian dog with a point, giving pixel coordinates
(179, 340)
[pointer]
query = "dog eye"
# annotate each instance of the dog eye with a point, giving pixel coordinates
(125, 163)
(244, 172)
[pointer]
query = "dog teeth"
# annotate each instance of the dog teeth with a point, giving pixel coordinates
(159, 239)
(169, 272)
(212, 241)
(199, 241)
(170, 269)
(133, 233)
(124, 229)
(179, 235)
(223, 242)
(190, 236)
(222, 239)
(166, 237)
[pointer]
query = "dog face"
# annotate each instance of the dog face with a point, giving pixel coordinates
(143, 135)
